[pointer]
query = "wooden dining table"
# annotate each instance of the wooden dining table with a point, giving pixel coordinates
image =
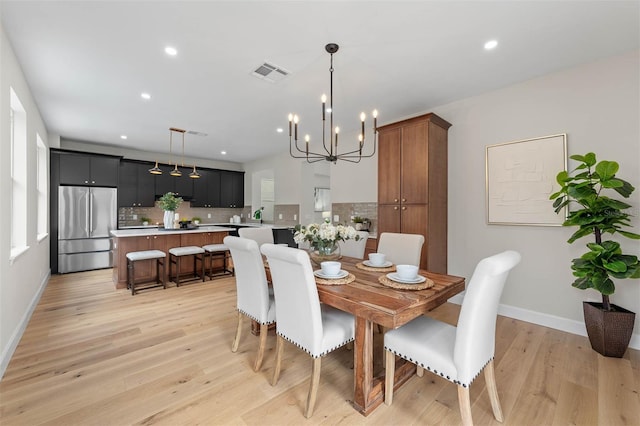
(374, 303)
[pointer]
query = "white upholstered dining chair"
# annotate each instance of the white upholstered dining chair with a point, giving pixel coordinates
(259, 235)
(401, 249)
(315, 328)
(253, 296)
(458, 354)
(353, 248)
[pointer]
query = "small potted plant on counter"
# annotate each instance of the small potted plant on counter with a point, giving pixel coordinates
(609, 326)
(195, 220)
(145, 221)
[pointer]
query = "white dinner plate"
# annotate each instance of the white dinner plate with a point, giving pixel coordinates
(340, 274)
(371, 265)
(395, 277)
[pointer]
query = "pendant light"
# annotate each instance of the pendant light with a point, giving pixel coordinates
(175, 172)
(155, 170)
(194, 174)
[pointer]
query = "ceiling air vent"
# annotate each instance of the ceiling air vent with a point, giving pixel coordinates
(193, 132)
(269, 72)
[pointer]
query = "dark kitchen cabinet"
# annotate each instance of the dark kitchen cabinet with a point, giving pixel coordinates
(181, 185)
(88, 170)
(206, 190)
(231, 189)
(135, 185)
(184, 184)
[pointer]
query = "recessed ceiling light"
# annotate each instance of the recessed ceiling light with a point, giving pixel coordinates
(171, 51)
(145, 96)
(123, 136)
(223, 152)
(491, 44)
(279, 130)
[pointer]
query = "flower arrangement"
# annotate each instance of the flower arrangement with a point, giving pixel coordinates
(324, 236)
(169, 202)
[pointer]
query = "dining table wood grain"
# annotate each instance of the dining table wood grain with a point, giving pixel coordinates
(374, 303)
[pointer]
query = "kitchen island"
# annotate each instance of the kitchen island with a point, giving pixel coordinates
(128, 240)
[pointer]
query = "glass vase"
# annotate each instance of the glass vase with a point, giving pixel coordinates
(324, 253)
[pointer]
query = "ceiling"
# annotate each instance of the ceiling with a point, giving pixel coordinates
(88, 62)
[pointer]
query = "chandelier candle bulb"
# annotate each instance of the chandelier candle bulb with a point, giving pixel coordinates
(362, 117)
(324, 101)
(290, 120)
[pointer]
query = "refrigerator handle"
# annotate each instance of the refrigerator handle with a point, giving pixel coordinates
(90, 210)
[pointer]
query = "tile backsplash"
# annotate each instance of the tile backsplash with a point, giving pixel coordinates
(132, 216)
(346, 211)
(290, 213)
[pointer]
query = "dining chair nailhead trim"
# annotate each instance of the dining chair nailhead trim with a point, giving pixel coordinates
(457, 382)
(256, 319)
(310, 354)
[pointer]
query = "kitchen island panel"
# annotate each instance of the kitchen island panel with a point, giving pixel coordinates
(157, 239)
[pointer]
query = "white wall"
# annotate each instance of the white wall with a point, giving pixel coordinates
(598, 106)
(23, 279)
(286, 174)
(357, 183)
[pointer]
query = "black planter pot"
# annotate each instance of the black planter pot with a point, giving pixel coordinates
(609, 331)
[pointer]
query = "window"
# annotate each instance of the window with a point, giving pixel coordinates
(18, 198)
(42, 180)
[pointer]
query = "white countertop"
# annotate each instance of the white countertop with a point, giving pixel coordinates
(143, 232)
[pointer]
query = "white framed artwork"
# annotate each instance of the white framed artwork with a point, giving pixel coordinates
(520, 177)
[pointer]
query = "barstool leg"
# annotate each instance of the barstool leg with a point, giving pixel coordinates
(164, 273)
(131, 277)
(178, 258)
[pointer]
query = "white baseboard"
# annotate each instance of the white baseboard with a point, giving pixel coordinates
(546, 320)
(7, 353)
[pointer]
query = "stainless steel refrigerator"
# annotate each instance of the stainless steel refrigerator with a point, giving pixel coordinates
(86, 217)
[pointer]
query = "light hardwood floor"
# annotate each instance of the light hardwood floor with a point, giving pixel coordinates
(95, 355)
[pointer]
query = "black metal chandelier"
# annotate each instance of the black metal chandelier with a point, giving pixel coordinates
(330, 146)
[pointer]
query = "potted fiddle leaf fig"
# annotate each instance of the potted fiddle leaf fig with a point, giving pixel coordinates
(595, 214)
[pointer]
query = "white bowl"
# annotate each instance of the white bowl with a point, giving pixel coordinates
(407, 272)
(377, 259)
(330, 268)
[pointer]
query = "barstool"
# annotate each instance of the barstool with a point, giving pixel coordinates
(134, 256)
(214, 252)
(177, 253)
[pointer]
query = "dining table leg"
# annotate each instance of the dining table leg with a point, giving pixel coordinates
(368, 391)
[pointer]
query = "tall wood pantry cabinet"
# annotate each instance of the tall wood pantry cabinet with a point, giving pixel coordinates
(412, 184)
